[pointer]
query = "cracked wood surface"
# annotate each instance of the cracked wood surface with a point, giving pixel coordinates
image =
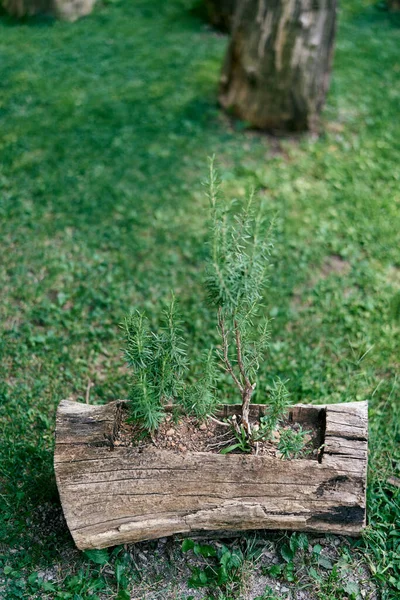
(113, 495)
(277, 66)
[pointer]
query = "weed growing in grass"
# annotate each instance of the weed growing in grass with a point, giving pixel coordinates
(292, 443)
(225, 571)
(310, 567)
(269, 594)
(223, 568)
(109, 573)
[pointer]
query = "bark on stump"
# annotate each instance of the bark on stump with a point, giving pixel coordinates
(66, 10)
(220, 13)
(113, 495)
(394, 5)
(26, 8)
(277, 67)
(71, 10)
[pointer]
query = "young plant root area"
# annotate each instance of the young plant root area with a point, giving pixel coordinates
(187, 434)
(106, 125)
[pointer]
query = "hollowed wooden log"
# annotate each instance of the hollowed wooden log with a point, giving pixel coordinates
(112, 495)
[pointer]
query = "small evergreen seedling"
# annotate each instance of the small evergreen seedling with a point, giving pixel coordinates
(237, 274)
(236, 278)
(158, 363)
(200, 398)
(279, 402)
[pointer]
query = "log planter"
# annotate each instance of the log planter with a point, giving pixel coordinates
(113, 494)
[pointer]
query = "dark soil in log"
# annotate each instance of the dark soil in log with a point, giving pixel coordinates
(188, 434)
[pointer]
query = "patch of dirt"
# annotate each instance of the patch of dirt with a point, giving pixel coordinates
(335, 264)
(101, 365)
(11, 323)
(187, 434)
(393, 275)
(159, 570)
(165, 570)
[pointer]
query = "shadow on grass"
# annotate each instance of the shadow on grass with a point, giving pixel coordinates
(40, 21)
(378, 14)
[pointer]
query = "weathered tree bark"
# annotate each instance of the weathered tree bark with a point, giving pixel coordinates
(22, 8)
(394, 5)
(67, 10)
(220, 13)
(113, 494)
(277, 67)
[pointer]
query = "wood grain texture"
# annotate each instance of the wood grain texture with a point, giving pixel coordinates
(112, 495)
(277, 66)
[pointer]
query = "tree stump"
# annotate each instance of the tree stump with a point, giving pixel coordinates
(66, 10)
(113, 494)
(277, 67)
(22, 8)
(220, 13)
(394, 5)
(71, 10)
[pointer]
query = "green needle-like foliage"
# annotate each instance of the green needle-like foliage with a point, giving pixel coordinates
(240, 248)
(201, 397)
(139, 343)
(140, 349)
(158, 363)
(145, 404)
(279, 402)
(170, 360)
(237, 275)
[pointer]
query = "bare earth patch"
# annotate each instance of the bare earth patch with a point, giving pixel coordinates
(333, 264)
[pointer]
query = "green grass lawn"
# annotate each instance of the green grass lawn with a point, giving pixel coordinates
(106, 125)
